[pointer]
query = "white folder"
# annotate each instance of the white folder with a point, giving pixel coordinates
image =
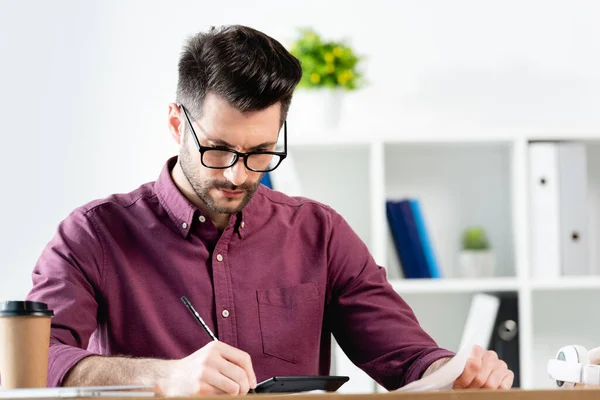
(544, 210)
(558, 209)
(480, 322)
(574, 216)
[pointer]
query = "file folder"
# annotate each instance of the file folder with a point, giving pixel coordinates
(558, 184)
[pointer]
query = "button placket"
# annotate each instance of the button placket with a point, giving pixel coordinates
(226, 321)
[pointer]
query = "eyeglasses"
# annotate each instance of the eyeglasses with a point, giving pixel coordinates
(223, 158)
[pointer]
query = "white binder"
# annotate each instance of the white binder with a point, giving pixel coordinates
(558, 209)
(480, 322)
(574, 236)
(544, 210)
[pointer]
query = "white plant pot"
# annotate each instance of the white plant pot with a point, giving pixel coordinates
(316, 110)
(477, 263)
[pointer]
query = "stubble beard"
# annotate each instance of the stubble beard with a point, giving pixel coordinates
(202, 187)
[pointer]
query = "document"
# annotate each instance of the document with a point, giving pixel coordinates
(477, 331)
(74, 392)
(443, 378)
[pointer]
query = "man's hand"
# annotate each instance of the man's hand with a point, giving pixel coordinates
(216, 368)
(484, 370)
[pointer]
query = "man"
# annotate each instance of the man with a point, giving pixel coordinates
(272, 276)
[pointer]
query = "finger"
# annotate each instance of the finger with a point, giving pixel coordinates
(489, 363)
(240, 358)
(235, 373)
(212, 381)
(497, 375)
(471, 370)
(478, 369)
(508, 380)
(208, 389)
(477, 351)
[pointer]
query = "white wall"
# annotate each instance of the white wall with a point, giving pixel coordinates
(84, 86)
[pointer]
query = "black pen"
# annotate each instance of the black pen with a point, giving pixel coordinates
(198, 318)
(201, 321)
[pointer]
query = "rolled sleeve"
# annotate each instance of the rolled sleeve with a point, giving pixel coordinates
(67, 277)
(417, 369)
(61, 359)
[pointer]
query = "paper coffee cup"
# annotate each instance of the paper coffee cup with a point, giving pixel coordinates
(24, 344)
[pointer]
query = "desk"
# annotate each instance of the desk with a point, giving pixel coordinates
(472, 394)
(514, 394)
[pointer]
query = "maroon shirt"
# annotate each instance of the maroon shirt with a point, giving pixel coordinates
(285, 274)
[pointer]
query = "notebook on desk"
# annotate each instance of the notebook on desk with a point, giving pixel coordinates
(76, 391)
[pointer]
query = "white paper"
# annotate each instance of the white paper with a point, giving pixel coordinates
(480, 321)
(78, 391)
(444, 377)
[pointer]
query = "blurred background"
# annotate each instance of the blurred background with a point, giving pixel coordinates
(481, 117)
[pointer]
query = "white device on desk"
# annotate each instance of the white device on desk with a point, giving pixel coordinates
(78, 391)
(575, 366)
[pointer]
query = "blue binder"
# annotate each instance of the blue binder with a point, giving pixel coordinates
(266, 180)
(411, 239)
(399, 232)
(434, 270)
(414, 239)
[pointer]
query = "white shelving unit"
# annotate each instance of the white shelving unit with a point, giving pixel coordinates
(461, 178)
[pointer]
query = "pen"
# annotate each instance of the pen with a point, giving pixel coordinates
(201, 321)
(198, 318)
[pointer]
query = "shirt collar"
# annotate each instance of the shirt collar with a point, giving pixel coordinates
(180, 209)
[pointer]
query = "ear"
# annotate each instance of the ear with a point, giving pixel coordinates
(176, 121)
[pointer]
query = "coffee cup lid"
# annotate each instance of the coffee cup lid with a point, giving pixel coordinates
(24, 308)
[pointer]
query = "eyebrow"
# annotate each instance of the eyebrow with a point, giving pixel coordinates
(220, 142)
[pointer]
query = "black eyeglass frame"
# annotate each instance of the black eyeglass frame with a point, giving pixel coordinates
(236, 154)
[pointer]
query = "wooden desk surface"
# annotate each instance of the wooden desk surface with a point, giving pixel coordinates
(514, 394)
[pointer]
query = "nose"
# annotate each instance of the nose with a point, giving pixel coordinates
(237, 173)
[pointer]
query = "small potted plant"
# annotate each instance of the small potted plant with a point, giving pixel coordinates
(476, 258)
(329, 68)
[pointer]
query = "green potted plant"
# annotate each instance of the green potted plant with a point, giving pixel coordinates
(329, 69)
(476, 258)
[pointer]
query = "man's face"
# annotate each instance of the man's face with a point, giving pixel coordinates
(227, 191)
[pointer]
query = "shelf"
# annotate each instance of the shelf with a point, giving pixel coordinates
(330, 138)
(367, 137)
(448, 285)
(453, 285)
(567, 283)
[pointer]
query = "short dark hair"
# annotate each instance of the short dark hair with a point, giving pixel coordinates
(246, 67)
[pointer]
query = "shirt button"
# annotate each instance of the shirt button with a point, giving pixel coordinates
(202, 218)
(184, 225)
(225, 313)
(219, 257)
(243, 224)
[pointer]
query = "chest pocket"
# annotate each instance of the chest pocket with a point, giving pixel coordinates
(290, 320)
